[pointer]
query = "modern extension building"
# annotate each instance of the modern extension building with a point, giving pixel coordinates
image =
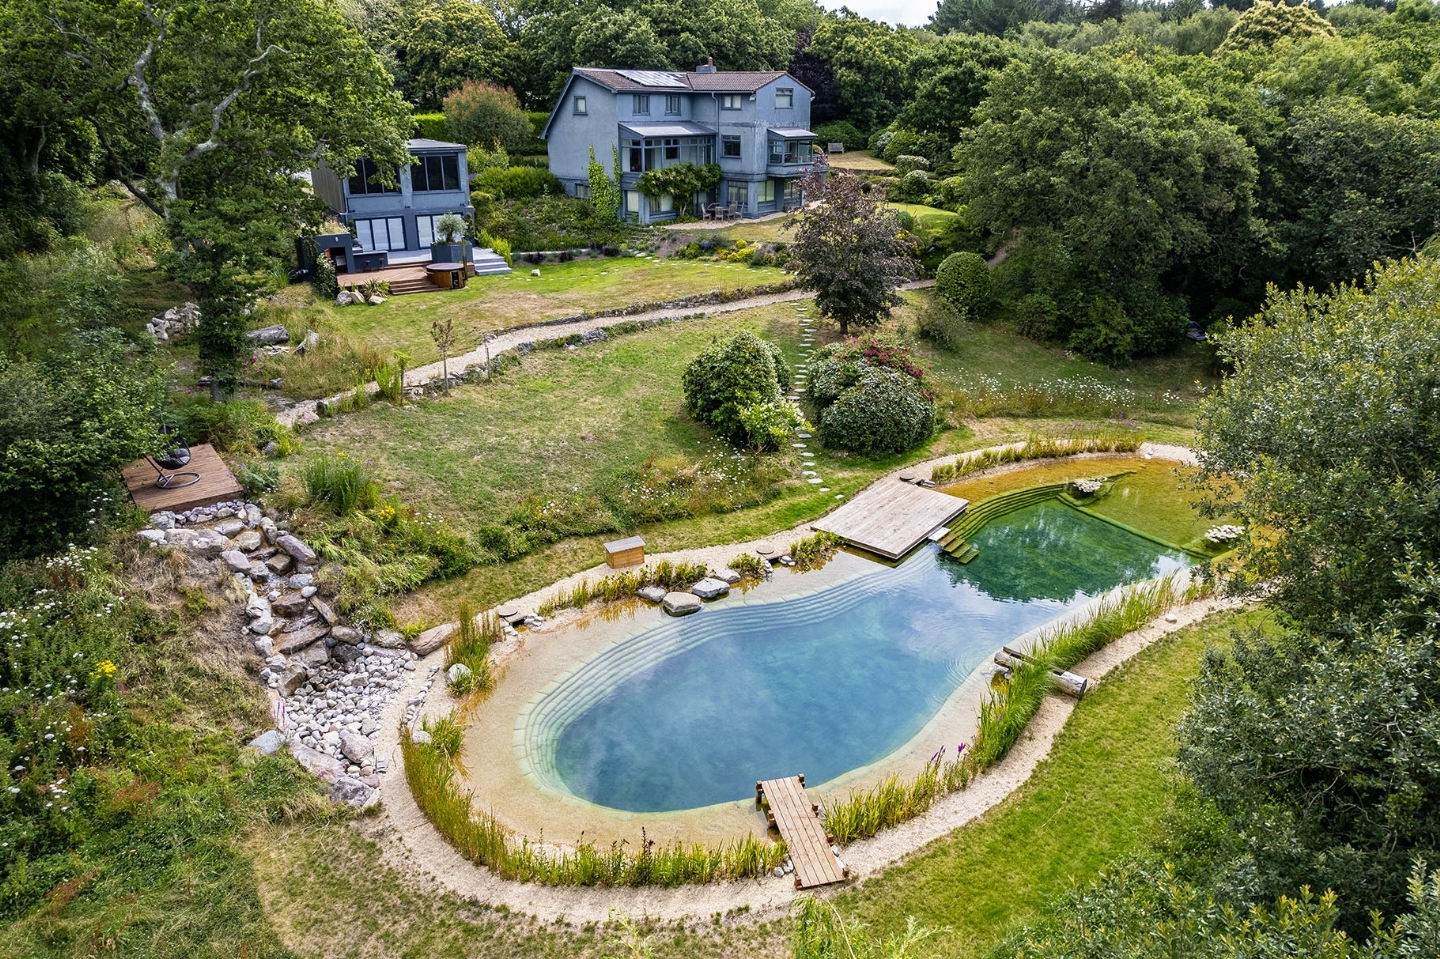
(400, 219)
(755, 125)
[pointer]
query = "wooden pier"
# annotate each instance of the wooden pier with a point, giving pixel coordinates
(892, 517)
(799, 823)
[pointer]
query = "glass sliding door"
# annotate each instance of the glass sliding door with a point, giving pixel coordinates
(381, 234)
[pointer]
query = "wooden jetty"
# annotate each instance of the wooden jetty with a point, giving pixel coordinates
(798, 820)
(892, 517)
(216, 484)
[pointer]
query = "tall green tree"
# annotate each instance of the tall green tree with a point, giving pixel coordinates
(1113, 181)
(993, 17)
(1351, 481)
(443, 43)
(868, 60)
(851, 252)
(206, 109)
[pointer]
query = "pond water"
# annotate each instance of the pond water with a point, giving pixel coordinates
(691, 712)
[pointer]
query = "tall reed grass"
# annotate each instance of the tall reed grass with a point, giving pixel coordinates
(819, 931)
(623, 585)
(470, 646)
(1003, 715)
(481, 839)
(1100, 439)
(341, 482)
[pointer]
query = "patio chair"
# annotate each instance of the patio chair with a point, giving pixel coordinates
(733, 211)
(173, 461)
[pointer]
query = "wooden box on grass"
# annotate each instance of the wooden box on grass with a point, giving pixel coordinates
(625, 552)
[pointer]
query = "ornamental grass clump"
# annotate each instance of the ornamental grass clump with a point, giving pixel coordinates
(862, 814)
(470, 647)
(815, 551)
(617, 586)
(341, 482)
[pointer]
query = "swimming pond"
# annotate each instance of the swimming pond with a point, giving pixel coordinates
(691, 712)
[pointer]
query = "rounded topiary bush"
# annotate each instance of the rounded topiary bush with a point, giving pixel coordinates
(964, 280)
(885, 412)
(729, 377)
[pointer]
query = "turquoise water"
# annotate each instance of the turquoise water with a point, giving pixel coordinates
(693, 711)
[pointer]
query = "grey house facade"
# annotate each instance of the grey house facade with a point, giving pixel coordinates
(401, 218)
(755, 125)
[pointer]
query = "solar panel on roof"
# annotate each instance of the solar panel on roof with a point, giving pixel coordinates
(652, 78)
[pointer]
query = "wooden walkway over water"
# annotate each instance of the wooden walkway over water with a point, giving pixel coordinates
(216, 484)
(892, 517)
(799, 823)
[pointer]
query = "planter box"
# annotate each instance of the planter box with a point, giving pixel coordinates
(450, 252)
(625, 552)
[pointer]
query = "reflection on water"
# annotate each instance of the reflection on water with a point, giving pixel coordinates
(828, 683)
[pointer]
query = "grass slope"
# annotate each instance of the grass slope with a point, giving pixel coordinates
(562, 289)
(1100, 796)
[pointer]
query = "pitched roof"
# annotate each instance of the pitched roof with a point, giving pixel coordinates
(628, 81)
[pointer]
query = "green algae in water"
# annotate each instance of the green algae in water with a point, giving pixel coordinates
(1149, 499)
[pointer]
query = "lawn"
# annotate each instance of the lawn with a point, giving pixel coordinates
(568, 426)
(515, 299)
(929, 218)
(859, 161)
(1101, 795)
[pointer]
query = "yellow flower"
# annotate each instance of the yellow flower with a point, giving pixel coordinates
(103, 668)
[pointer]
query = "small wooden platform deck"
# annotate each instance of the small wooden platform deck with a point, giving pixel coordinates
(892, 517)
(216, 485)
(799, 824)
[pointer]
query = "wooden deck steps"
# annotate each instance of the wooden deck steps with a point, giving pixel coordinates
(798, 820)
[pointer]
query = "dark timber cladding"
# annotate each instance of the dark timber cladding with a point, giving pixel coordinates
(891, 517)
(796, 818)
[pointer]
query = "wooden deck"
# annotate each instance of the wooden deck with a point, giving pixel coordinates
(891, 517)
(217, 484)
(799, 823)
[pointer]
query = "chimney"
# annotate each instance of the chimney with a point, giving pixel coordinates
(707, 67)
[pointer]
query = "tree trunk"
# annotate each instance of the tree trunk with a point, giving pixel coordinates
(1065, 682)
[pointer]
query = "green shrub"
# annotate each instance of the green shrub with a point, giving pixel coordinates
(341, 482)
(1037, 317)
(489, 115)
(258, 478)
(69, 423)
(241, 426)
(748, 565)
(432, 126)
(964, 280)
(495, 244)
(518, 183)
(814, 551)
(941, 323)
(885, 412)
(840, 131)
(327, 284)
(727, 378)
(1105, 332)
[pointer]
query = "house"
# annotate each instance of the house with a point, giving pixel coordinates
(397, 219)
(754, 124)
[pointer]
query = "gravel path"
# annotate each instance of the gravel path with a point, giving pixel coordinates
(305, 411)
